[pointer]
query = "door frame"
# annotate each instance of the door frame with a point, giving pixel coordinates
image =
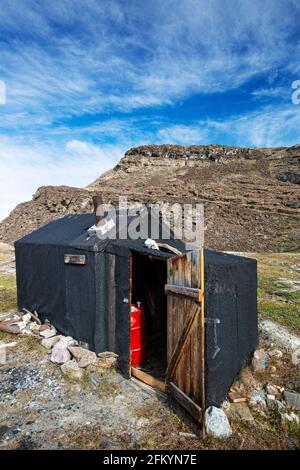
(195, 293)
(134, 371)
(198, 411)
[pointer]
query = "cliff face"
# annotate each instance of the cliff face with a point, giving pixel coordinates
(251, 196)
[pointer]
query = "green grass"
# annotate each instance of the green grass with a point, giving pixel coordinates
(277, 299)
(287, 315)
(8, 295)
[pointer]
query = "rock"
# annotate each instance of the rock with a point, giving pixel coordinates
(247, 379)
(274, 405)
(72, 370)
(48, 333)
(142, 422)
(60, 353)
(292, 399)
(26, 318)
(3, 351)
(48, 343)
(288, 420)
(2, 357)
(71, 341)
(107, 360)
(235, 397)
(260, 360)
(188, 435)
(225, 405)
(275, 353)
(280, 335)
(240, 412)
(216, 423)
(258, 397)
(94, 377)
(83, 356)
(273, 390)
(39, 327)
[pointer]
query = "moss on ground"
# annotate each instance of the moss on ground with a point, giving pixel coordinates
(279, 288)
(8, 292)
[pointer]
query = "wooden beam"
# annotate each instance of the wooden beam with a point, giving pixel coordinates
(202, 378)
(148, 379)
(181, 344)
(190, 292)
(169, 248)
(185, 401)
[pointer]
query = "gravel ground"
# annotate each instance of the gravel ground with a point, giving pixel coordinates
(40, 409)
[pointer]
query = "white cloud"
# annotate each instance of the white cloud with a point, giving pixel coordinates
(99, 57)
(182, 135)
(25, 167)
(269, 127)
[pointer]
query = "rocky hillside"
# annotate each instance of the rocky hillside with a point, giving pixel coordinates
(251, 196)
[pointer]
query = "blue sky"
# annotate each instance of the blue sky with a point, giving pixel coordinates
(87, 79)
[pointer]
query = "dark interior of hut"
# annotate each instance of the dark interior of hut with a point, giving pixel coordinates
(149, 276)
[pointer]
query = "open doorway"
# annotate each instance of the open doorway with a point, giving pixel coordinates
(148, 280)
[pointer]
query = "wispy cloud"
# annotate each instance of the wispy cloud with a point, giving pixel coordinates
(73, 58)
(269, 127)
(25, 167)
(183, 135)
(87, 79)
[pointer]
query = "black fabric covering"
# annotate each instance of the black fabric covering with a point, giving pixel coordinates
(123, 313)
(74, 298)
(62, 293)
(230, 297)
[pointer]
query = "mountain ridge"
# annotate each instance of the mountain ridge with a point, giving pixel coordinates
(251, 196)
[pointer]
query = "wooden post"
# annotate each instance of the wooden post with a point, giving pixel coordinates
(202, 300)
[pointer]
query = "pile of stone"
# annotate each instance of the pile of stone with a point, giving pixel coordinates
(248, 395)
(72, 357)
(18, 323)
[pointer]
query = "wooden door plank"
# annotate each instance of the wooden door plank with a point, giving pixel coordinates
(202, 383)
(185, 401)
(148, 379)
(183, 291)
(185, 369)
(181, 344)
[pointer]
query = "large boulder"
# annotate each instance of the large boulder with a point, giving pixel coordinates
(83, 356)
(216, 423)
(60, 353)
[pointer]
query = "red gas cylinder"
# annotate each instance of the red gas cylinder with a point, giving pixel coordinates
(137, 335)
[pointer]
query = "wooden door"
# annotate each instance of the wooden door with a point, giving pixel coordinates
(185, 341)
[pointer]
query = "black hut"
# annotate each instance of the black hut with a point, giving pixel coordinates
(200, 305)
